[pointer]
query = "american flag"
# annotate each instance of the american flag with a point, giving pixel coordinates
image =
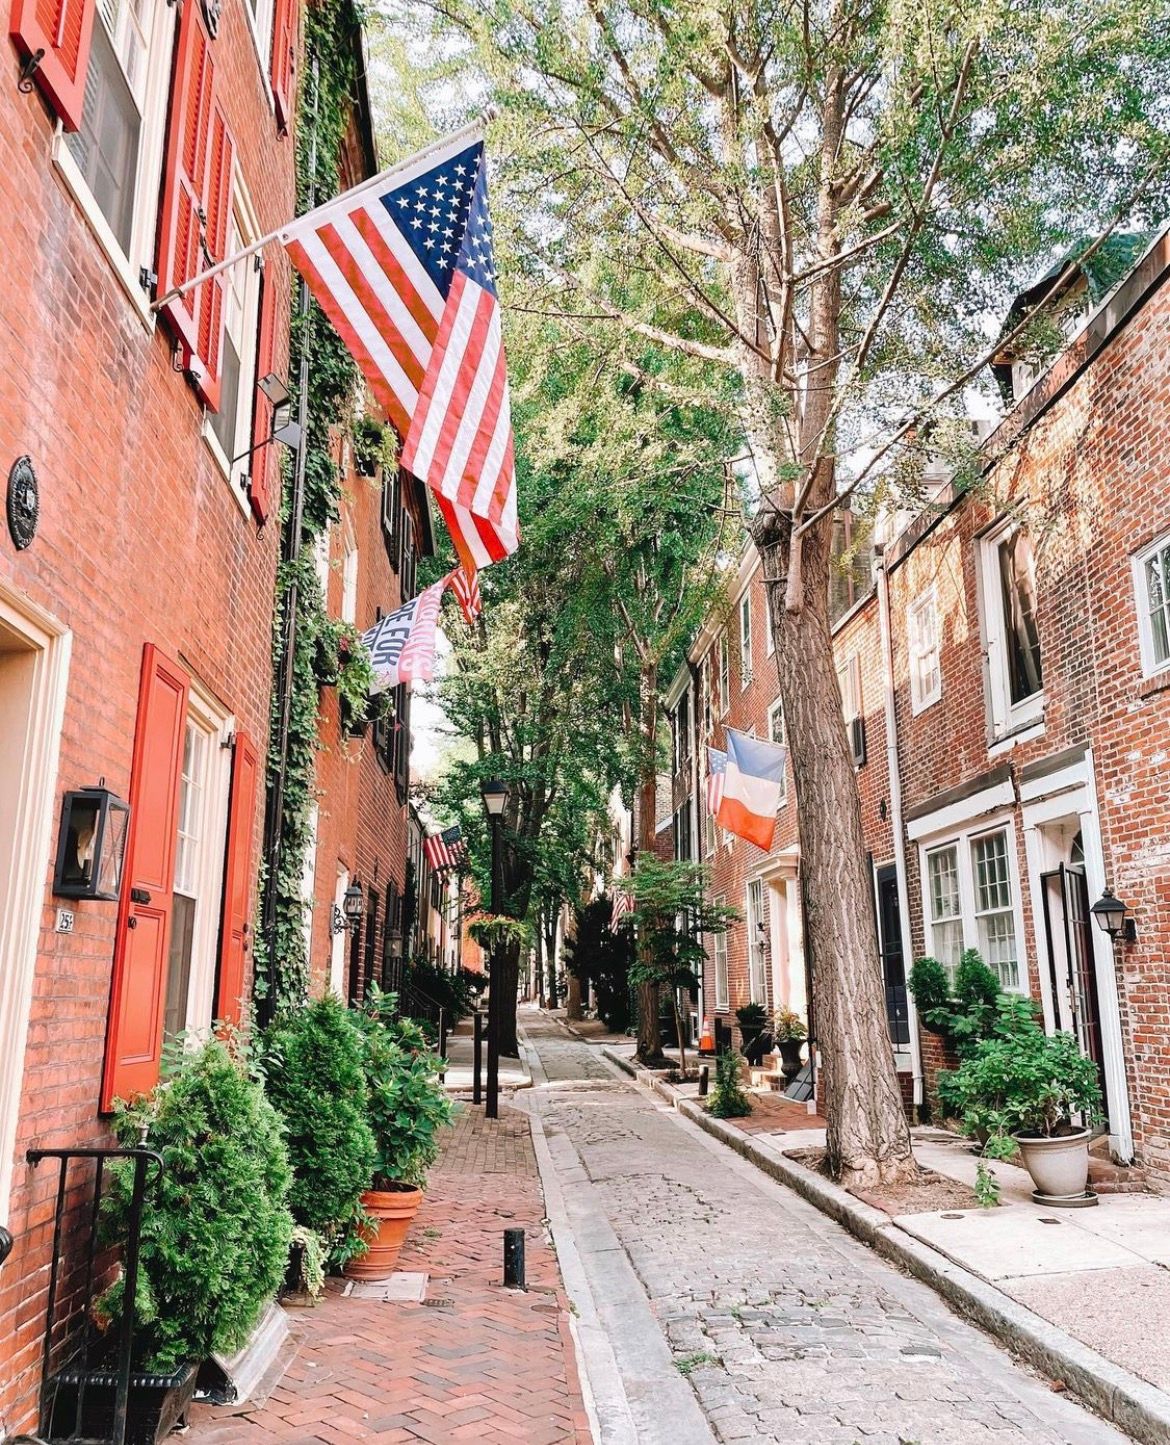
(465, 588)
(623, 903)
(404, 269)
(716, 769)
(445, 849)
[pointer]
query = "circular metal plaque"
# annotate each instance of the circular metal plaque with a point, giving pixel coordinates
(24, 504)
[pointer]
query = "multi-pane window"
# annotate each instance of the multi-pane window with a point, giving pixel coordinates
(745, 639)
(776, 734)
(349, 582)
(231, 425)
(724, 676)
(719, 950)
(188, 875)
(770, 641)
(757, 982)
(680, 731)
(946, 912)
(1152, 577)
(849, 681)
(705, 685)
(1017, 575)
(971, 903)
(994, 912)
(923, 644)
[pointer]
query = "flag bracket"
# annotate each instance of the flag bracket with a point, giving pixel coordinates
(24, 82)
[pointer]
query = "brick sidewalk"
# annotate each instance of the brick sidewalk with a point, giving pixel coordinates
(477, 1362)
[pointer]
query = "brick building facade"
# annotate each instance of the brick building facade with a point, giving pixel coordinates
(1009, 663)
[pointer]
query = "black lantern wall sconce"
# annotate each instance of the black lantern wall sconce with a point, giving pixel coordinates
(1114, 918)
(91, 844)
(349, 915)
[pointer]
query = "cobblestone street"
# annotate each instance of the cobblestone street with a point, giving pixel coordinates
(785, 1328)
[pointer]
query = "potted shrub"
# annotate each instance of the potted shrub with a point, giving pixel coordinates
(789, 1032)
(312, 1059)
(215, 1230)
(406, 1106)
(1036, 1092)
(751, 1019)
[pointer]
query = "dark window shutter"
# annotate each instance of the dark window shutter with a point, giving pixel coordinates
(284, 56)
(238, 880)
(59, 32)
(138, 987)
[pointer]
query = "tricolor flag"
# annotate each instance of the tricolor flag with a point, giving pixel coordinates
(403, 267)
(752, 783)
(716, 771)
(623, 903)
(402, 645)
(444, 850)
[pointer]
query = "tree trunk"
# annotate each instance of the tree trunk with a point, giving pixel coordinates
(573, 1005)
(649, 1050)
(550, 953)
(868, 1137)
(540, 964)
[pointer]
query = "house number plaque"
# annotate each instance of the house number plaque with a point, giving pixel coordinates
(23, 504)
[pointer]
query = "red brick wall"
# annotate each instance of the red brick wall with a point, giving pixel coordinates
(139, 541)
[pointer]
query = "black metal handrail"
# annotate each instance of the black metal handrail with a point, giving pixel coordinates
(121, 1375)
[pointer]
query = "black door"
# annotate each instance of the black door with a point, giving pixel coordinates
(1071, 892)
(893, 961)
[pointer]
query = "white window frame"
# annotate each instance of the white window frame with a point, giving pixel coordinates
(746, 669)
(239, 472)
(963, 841)
(719, 960)
(260, 29)
(770, 641)
(1151, 667)
(849, 682)
(924, 652)
(1004, 716)
(754, 888)
(338, 950)
(350, 561)
(777, 709)
(144, 229)
(217, 726)
(724, 674)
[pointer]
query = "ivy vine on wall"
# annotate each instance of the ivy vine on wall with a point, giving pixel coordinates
(319, 656)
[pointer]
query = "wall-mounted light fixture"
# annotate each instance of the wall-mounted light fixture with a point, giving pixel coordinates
(1114, 918)
(91, 844)
(349, 915)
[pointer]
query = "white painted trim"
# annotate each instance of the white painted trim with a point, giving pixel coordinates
(1150, 666)
(217, 726)
(1024, 734)
(966, 812)
(719, 942)
(260, 29)
(746, 663)
(920, 701)
(1005, 719)
(23, 896)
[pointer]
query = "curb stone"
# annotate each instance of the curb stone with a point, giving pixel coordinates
(1130, 1403)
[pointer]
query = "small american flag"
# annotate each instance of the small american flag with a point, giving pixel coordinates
(623, 903)
(445, 849)
(465, 588)
(716, 769)
(403, 267)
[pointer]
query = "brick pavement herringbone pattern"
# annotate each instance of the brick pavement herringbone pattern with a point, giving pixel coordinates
(477, 1363)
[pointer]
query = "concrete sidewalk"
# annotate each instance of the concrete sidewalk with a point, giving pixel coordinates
(1083, 1294)
(460, 1058)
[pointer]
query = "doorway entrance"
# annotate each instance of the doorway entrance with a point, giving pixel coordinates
(1072, 971)
(889, 920)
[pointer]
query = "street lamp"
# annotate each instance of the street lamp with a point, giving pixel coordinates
(1113, 917)
(495, 797)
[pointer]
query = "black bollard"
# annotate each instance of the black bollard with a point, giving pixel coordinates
(514, 1259)
(476, 1056)
(704, 1074)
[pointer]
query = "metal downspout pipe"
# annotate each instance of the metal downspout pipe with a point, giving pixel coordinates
(887, 644)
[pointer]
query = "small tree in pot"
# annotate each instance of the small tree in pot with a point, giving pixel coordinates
(406, 1106)
(789, 1032)
(1039, 1093)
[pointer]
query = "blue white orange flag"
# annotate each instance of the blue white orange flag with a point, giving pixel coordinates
(402, 644)
(403, 267)
(752, 784)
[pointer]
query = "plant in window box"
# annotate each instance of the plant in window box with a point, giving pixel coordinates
(1036, 1092)
(406, 1106)
(216, 1227)
(369, 446)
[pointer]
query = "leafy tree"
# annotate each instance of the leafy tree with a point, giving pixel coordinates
(816, 208)
(601, 957)
(671, 917)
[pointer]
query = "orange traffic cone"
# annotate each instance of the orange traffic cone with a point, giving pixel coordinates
(706, 1039)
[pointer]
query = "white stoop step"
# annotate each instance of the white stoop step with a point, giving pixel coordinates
(769, 1076)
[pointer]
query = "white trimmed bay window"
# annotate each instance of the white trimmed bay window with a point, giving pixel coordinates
(971, 900)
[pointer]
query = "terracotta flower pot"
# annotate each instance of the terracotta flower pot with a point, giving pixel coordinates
(394, 1211)
(1059, 1166)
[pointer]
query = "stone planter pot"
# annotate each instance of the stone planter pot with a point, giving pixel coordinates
(393, 1211)
(1059, 1168)
(790, 1059)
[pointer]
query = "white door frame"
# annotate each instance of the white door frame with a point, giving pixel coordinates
(1072, 793)
(22, 893)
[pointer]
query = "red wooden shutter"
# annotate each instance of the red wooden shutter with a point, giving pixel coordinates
(284, 55)
(238, 880)
(196, 204)
(59, 32)
(262, 461)
(139, 987)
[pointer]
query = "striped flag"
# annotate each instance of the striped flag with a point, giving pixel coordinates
(402, 644)
(444, 850)
(465, 588)
(404, 269)
(716, 772)
(623, 903)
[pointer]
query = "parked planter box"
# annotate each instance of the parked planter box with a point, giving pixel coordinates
(157, 1403)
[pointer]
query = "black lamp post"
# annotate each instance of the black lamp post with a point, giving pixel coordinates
(495, 797)
(1114, 918)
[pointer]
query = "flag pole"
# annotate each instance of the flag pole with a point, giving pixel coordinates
(474, 127)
